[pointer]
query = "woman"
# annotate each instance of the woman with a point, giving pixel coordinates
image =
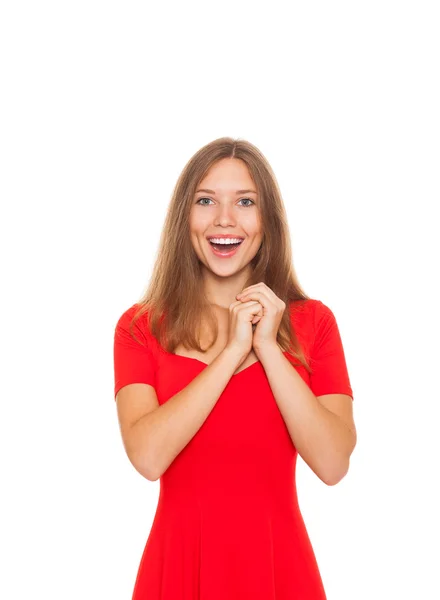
(225, 371)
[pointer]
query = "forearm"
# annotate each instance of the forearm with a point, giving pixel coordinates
(161, 435)
(321, 438)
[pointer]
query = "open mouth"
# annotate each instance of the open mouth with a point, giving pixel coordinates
(226, 249)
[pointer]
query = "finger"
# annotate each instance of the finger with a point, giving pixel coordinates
(259, 297)
(261, 288)
(250, 288)
(254, 302)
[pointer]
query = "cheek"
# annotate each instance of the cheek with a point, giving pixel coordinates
(198, 223)
(253, 227)
(253, 221)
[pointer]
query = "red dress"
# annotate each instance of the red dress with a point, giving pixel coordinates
(228, 525)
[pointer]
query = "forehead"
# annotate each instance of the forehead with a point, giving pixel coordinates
(228, 175)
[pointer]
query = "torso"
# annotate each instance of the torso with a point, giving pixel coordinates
(218, 346)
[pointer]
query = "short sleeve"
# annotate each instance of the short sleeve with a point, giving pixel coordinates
(328, 364)
(133, 360)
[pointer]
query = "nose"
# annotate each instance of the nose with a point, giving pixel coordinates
(224, 214)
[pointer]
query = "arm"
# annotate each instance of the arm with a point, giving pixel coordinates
(160, 435)
(322, 438)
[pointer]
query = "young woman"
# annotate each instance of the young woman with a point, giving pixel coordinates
(224, 371)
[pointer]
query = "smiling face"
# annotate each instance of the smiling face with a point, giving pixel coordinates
(226, 203)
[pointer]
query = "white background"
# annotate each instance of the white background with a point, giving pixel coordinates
(102, 104)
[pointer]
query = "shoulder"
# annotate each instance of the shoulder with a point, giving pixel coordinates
(126, 317)
(304, 312)
(311, 310)
(310, 318)
(139, 326)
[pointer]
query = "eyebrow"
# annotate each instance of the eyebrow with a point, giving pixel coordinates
(237, 192)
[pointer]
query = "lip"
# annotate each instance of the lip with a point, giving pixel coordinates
(226, 254)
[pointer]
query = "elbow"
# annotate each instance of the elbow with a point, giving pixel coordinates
(142, 464)
(336, 475)
(143, 469)
(149, 469)
(152, 474)
(333, 480)
(149, 474)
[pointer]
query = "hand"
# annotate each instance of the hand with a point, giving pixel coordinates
(266, 329)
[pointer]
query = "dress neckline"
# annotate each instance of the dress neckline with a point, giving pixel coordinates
(201, 362)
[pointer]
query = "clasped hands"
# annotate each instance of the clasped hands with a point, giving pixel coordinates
(266, 329)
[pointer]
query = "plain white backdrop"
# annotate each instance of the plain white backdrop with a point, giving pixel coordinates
(102, 104)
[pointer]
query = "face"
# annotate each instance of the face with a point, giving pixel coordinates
(226, 203)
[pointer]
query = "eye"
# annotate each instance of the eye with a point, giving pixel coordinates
(198, 201)
(204, 198)
(250, 200)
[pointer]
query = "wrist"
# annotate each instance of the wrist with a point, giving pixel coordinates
(268, 348)
(235, 352)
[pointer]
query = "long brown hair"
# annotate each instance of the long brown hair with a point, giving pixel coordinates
(175, 296)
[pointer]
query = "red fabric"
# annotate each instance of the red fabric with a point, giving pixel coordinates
(228, 523)
(133, 362)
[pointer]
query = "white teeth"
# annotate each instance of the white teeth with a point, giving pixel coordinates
(225, 240)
